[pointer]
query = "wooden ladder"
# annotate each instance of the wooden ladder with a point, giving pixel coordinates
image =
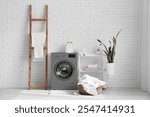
(45, 85)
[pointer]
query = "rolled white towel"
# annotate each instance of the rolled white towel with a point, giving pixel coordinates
(92, 66)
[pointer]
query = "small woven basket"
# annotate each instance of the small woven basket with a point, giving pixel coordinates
(83, 92)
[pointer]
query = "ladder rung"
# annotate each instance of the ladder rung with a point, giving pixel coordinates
(38, 19)
(33, 47)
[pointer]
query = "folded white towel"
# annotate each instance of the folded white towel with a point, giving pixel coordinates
(38, 42)
(90, 84)
(92, 66)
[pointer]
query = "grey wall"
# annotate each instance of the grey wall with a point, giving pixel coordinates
(82, 22)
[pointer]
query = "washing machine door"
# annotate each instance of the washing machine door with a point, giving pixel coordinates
(63, 70)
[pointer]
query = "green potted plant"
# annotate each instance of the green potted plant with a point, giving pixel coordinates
(110, 54)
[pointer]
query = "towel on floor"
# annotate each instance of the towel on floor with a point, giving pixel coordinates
(90, 84)
(38, 42)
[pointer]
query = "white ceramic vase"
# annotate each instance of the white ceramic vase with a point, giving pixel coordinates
(110, 67)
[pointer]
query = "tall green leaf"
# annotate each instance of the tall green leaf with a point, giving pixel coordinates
(110, 51)
(103, 45)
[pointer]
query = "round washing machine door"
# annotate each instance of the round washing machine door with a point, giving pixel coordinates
(63, 70)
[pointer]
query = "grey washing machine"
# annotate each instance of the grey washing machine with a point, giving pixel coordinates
(64, 71)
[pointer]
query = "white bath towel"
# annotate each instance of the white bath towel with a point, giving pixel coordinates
(38, 42)
(92, 66)
(90, 84)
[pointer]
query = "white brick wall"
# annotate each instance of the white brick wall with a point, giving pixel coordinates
(81, 21)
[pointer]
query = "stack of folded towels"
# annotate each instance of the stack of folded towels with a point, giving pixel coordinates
(91, 85)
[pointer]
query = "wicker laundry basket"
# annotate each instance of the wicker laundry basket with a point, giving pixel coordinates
(83, 92)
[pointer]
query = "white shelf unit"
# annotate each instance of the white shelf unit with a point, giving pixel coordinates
(93, 59)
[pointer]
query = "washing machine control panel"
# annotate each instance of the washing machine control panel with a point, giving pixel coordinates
(71, 55)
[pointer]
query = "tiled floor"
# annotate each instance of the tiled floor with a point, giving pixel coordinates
(108, 94)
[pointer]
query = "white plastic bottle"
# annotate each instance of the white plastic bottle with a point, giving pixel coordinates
(98, 51)
(67, 47)
(70, 47)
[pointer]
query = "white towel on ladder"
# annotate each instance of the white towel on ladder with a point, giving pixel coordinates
(38, 42)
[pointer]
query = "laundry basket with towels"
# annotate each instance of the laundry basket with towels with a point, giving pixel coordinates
(89, 85)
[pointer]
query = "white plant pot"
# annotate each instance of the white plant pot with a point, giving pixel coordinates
(110, 67)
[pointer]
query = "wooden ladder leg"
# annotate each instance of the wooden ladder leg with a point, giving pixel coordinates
(46, 59)
(30, 48)
(30, 64)
(46, 72)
